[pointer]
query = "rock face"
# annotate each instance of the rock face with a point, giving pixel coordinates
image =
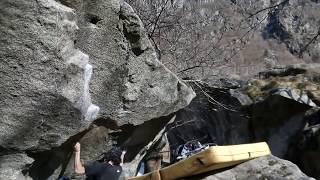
(44, 80)
(267, 167)
(11, 166)
(307, 145)
(129, 85)
(65, 65)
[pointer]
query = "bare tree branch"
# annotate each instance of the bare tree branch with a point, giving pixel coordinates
(267, 8)
(310, 42)
(210, 98)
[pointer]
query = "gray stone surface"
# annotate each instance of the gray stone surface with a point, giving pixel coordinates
(12, 165)
(44, 80)
(129, 84)
(266, 168)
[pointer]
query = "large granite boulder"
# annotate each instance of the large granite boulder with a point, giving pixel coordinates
(44, 79)
(305, 150)
(129, 84)
(45, 86)
(279, 118)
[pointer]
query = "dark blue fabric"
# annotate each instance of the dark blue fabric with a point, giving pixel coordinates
(102, 171)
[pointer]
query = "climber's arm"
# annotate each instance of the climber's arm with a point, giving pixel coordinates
(122, 156)
(78, 167)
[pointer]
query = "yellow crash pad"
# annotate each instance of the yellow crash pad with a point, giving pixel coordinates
(215, 157)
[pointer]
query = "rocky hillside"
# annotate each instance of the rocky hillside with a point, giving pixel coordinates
(87, 71)
(231, 38)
